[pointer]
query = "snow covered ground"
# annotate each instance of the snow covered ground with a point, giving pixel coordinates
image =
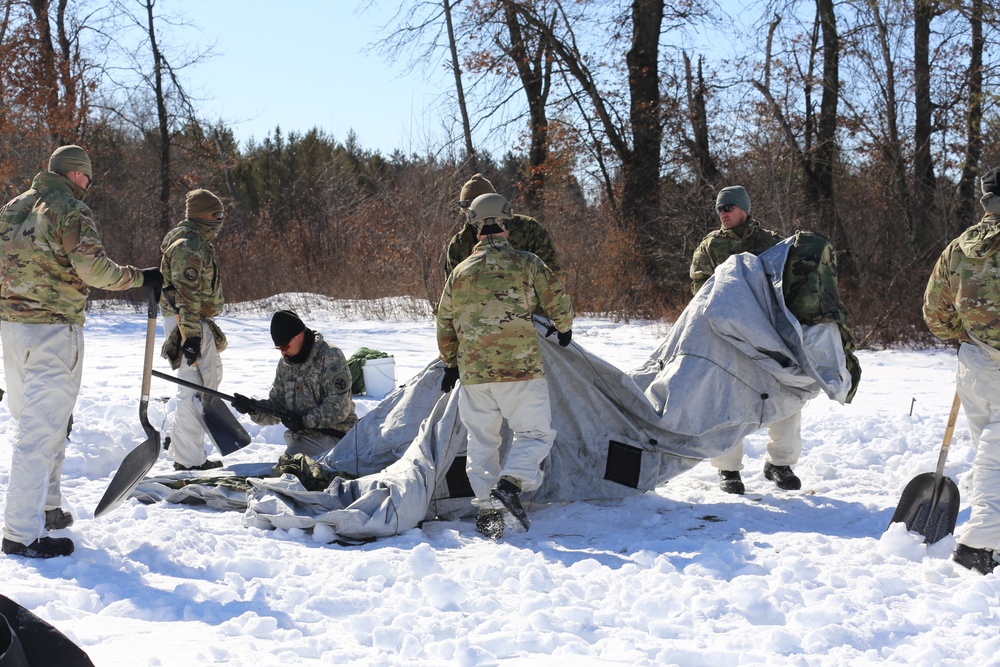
(687, 575)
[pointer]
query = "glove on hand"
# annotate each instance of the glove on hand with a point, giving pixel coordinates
(293, 423)
(449, 379)
(565, 337)
(152, 277)
(242, 404)
(191, 349)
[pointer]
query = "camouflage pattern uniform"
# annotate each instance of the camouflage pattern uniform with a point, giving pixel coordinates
(962, 302)
(192, 297)
(52, 257)
(523, 233)
(484, 326)
(784, 443)
(319, 390)
(723, 243)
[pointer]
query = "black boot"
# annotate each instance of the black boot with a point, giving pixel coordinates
(731, 482)
(43, 547)
(980, 560)
(58, 519)
(783, 477)
(506, 495)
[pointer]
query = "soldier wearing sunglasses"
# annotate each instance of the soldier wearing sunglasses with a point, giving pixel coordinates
(741, 233)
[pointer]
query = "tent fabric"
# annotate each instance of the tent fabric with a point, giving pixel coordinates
(735, 348)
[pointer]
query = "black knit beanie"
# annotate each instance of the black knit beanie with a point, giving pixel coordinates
(285, 325)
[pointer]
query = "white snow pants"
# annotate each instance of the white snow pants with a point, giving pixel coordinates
(525, 406)
(784, 444)
(979, 388)
(187, 433)
(44, 365)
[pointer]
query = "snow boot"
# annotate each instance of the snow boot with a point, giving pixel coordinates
(783, 477)
(490, 523)
(506, 495)
(58, 519)
(731, 482)
(207, 465)
(980, 560)
(43, 547)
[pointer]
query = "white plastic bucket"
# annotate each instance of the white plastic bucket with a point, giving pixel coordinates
(380, 376)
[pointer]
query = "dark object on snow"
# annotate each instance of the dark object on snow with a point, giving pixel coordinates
(980, 560)
(730, 481)
(489, 523)
(28, 641)
(43, 547)
(929, 504)
(140, 460)
(356, 362)
(782, 476)
(58, 519)
(506, 497)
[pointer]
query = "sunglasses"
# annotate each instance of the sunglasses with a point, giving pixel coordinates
(284, 348)
(725, 208)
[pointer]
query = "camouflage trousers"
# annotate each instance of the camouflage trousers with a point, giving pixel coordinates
(43, 364)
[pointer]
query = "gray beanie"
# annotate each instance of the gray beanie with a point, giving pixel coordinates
(734, 194)
(70, 158)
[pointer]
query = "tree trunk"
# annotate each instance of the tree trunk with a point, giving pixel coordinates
(641, 172)
(708, 172)
(534, 72)
(965, 213)
(923, 164)
(162, 118)
(456, 69)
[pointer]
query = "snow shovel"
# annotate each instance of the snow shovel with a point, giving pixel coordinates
(223, 428)
(140, 460)
(930, 502)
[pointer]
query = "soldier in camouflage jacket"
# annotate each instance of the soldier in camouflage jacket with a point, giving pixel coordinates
(192, 297)
(52, 257)
(741, 233)
(523, 233)
(486, 337)
(312, 385)
(962, 303)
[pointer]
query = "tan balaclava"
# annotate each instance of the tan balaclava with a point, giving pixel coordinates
(203, 205)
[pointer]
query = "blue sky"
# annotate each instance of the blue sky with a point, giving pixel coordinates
(305, 66)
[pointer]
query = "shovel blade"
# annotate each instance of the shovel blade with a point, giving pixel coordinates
(135, 466)
(929, 508)
(223, 428)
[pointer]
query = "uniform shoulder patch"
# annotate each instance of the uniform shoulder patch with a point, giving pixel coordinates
(340, 384)
(190, 274)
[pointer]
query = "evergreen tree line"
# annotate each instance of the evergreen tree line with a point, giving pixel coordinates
(866, 122)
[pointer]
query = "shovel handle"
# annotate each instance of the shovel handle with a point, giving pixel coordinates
(948, 431)
(281, 414)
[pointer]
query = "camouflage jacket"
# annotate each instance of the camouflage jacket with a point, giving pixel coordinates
(484, 323)
(962, 298)
(192, 285)
(318, 389)
(53, 255)
(523, 233)
(723, 243)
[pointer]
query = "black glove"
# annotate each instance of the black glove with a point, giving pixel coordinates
(565, 337)
(293, 423)
(191, 349)
(242, 404)
(152, 277)
(449, 379)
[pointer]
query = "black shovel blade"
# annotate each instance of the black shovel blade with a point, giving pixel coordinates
(134, 467)
(928, 508)
(223, 428)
